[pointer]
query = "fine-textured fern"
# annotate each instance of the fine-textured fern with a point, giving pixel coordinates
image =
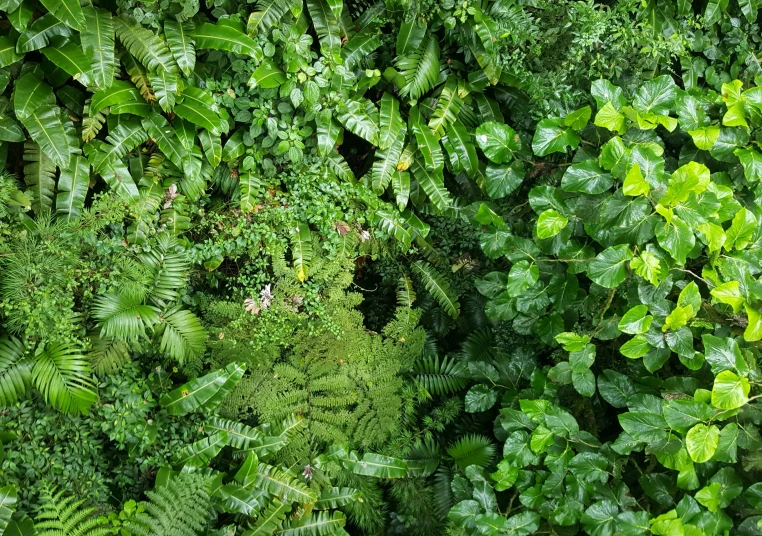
(472, 449)
(440, 377)
(438, 287)
(179, 508)
(63, 514)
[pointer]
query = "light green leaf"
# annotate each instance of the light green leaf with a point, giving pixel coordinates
(701, 442)
(636, 320)
(267, 76)
(204, 393)
(550, 223)
(730, 391)
(522, 276)
(636, 347)
(552, 137)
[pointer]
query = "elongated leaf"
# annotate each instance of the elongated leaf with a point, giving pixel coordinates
(448, 107)
(8, 53)
(72, 188)
(222, 37)
(164, 85)
(438, 287)
(268, 75)
(47, 130)
(235, 499)
(283, 485)
(269, 520)
(265, 14)
(391, 123)
(429, 147)
(328, 130)
(67, 11)
(317, 523)
(327, 27)
(10, 130)
(119, 92)
(181, 44)
(204, 393)
(432, 183)
(359, 47)
(460, 143)
(301, 250)
(29, 94)
(200, 453)
(401, 188)
(386, 164)
(159, 129)
(335, 497)
(410, 36)
(361, 118)
(249, 186)
(98, 45)
(70, 58)
(39, 34)
(212, 146)
(8, 499)
(197, 106)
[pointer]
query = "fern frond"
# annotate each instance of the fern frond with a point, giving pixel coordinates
(169, 270)
(472, 449)
(179, 508)
(420, 68)
(62, 375)
(123, 315)
(405, 292)
(15, 371)
(183, 335)
(65, 515)
(478, 346)
(440, 377)
(108, 355)
(438, 287)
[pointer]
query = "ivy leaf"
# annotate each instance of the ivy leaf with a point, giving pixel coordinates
(578, 119)
(634, 183)
(600, 519)
(690, 178)
(610, 118)
(480, 398)
(677, 238)
(751, 161)
(505, 476)
(723, 353)
(753, 331)
(498, 141)
(705, 137)
(647, 427)
(584, 382)
(522, 276)
(682, 414)
(552, 137)
(550, 223)
(741, 231)
(615, 388)
(709, 496)
(502, 180)
(609, 268)
(523, 524)
(636, 320)
(590, 467)
(586, 178)
(701, 442)
(656, 96)
(730, 391)
(464, 513)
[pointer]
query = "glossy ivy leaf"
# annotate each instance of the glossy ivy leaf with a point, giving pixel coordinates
(522, 276)
(600, 518)
(584, 382)
(604, 91)
(723, 353)
(610, 118)
(656, 96)
(550, 223)
(503, 180)
(498, 141)
(586, 178)
(552, 136)
(701, 442)
(636, 320)
(615, 388)
(480, 398)
(647, 427)
(578, 119)
(682, 414)
(730, 391)
(609, 268)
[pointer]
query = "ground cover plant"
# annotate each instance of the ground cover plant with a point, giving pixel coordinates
(313, 267)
